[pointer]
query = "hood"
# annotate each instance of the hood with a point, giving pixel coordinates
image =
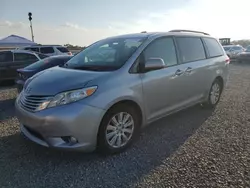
(56, 80)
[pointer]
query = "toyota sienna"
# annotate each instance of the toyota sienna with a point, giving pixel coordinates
(102, 96)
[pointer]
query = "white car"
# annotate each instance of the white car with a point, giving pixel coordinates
(49, 50)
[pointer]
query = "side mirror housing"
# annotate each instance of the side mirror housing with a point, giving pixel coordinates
(154, 64)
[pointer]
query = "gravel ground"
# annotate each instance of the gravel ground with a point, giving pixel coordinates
(193, 148)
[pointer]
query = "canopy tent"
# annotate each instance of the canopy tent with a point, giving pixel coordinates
(15, 41)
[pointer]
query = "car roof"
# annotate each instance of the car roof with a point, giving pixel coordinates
(160, 34)
(40, 45)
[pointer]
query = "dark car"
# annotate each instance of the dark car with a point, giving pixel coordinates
(11, 60)
(27, 72)
(244, 56)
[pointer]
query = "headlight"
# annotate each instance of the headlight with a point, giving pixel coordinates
(68, 97)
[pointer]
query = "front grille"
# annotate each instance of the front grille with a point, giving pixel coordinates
(32, 102)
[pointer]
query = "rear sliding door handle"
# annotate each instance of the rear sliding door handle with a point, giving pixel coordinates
(178, 72)
(188, 70)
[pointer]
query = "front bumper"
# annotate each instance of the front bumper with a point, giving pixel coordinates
(49, 127)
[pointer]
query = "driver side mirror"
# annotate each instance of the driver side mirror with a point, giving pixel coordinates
(154, 64)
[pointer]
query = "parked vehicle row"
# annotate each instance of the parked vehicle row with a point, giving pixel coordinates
(49, 50)
(11, 60)
(105, 94)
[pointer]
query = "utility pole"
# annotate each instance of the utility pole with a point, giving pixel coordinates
(31, 29)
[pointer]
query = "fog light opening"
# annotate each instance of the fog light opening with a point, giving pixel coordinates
(69, 140)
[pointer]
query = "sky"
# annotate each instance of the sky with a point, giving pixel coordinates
(82, 22)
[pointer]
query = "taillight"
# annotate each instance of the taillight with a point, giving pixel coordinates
(69, 53)
(228, 60)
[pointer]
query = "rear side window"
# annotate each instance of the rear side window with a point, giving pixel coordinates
(191, 49)
(6, 57)
(32, 49)
(62, 49)
(163, 48)
(213, 47)
(47, 50)
(24, 57)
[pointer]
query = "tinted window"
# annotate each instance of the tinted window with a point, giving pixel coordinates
(105, 55)
(6, 57)
(33, 49)
(162, 48)
(46, 50)
(214, 49)
(24, 57)
(191, 49)
(62, 49)
(42, 56)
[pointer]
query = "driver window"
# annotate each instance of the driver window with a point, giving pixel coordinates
(163, 48)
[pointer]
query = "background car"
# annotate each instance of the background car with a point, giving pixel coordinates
(233, 50)
(27, 72)
(11, 60)
(244, 56)
(49, 50)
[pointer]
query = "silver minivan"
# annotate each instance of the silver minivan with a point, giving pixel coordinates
(103, 96)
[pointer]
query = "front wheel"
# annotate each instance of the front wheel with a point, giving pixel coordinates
(214, 94)
(118, 129)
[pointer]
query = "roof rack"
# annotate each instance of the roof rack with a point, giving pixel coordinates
(189, 31)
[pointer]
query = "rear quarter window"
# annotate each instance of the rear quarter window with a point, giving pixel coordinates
(191, 49)
(213, 47)
(62, 49)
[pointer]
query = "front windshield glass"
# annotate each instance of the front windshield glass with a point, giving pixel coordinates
(226, 48)
(107, 54)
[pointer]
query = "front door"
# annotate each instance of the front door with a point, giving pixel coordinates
(162, 88)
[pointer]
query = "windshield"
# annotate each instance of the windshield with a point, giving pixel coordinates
(106, 55)
(248, 49)
(226, 48)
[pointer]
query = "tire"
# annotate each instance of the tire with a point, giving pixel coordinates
(105, 140)
(212, 99)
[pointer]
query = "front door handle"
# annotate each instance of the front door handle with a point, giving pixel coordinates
(189, 70)
(178, 72)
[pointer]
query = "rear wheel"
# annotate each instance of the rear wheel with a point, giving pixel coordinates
(214, 94)
(118, 129)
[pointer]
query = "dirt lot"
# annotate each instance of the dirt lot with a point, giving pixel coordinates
(194, 148)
